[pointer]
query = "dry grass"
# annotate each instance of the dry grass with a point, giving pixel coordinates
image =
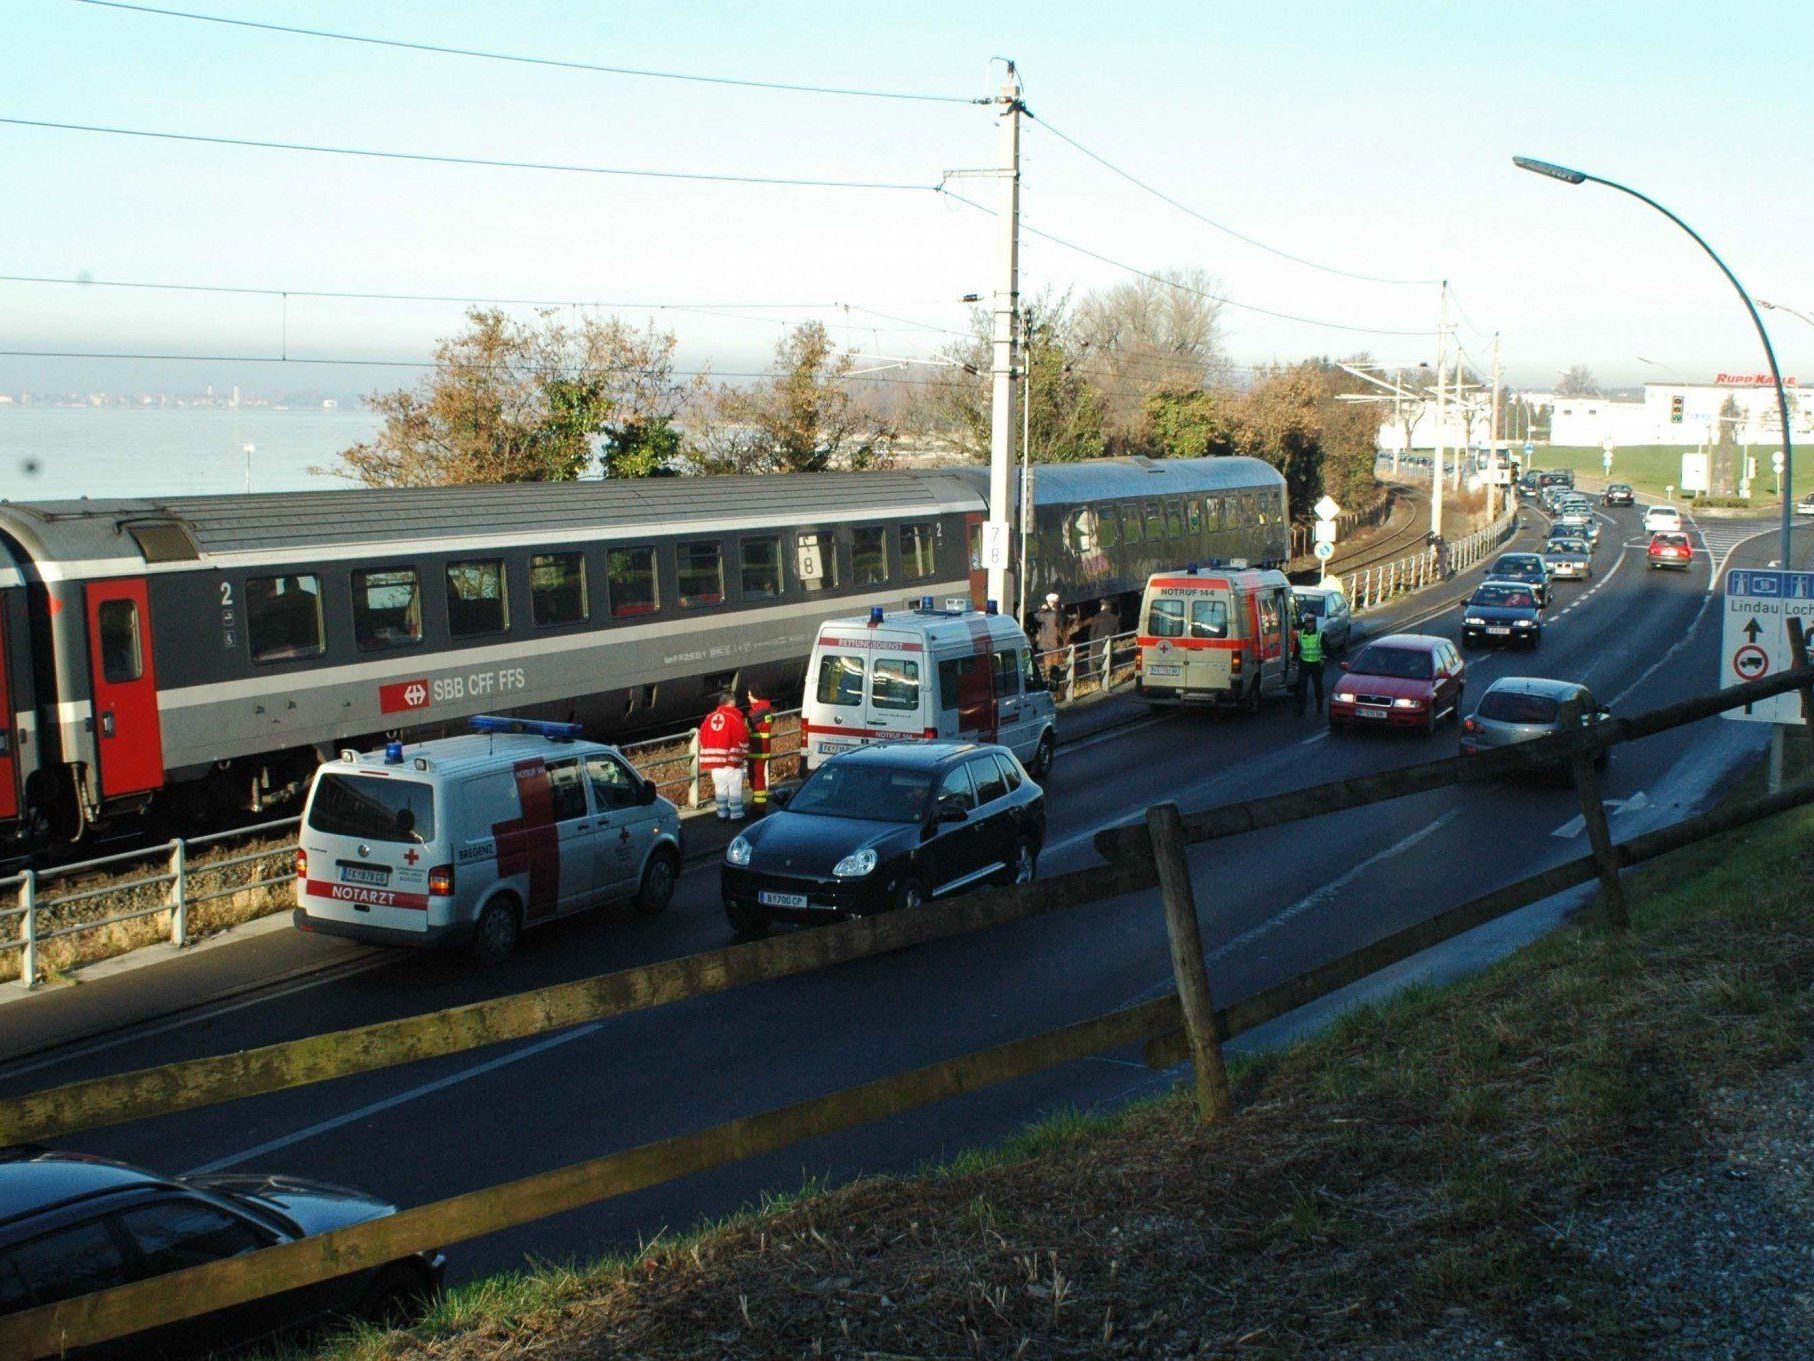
(1415, 1169)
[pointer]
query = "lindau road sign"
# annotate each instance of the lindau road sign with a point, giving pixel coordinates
(1754, 642)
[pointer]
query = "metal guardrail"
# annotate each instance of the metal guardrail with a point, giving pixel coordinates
(1376, 585)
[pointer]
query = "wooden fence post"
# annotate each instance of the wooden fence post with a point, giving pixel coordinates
(1599, 835)
(1166, 829)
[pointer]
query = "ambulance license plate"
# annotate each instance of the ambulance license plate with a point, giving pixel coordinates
(1166, 670)
(1497, 631)
(1365, 712)
(768, 899)
(364, 874)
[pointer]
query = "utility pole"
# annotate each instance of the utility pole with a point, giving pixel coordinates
(998, 534)
(1492, 486)
(1026, 460)
(1442, 359)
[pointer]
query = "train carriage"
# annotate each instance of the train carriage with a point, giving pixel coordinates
(219, 647)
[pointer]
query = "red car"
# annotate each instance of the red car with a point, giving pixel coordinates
(1671, 550)
(1404, 680)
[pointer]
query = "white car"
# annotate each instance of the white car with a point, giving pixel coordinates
(1662, 520)
(1805, 506)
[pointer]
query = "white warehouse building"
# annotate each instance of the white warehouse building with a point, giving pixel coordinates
(1687, 414)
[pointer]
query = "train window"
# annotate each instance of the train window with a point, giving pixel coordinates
(840, 679)
(1174, 521)
(632, 580)
(1130, 524)
(1212, 513)
(122, 654)
(869, 555)
(475, 598)
(917, 558)
(1248, 517)
(1155, 520)
(557, 588)
(701, 567)
(761, 562)
(283, 618)
(816, 560)
(1108, 527)
(1193, 516)
(387, 608)
(894, 683)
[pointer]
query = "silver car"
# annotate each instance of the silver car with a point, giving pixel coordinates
(1569, 558)
(1522, 708)
(1329, 607)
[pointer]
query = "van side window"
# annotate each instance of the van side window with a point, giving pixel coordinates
(475, 598)
(990, 785)
(894, 683)
(566, 794)
(632, 578)
(283, 618)
(1166, 618)
(840, 679)
(614, 786)
(1010, 770)
(951, 676)
(1007, 673)
(1208, 619)
(869, 555)
(1030, 678)
(387, 608)
(816, 561)
(557, 588)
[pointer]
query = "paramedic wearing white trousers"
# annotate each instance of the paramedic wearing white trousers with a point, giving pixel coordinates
(724, 747)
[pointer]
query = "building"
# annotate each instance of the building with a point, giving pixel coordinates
(1687, 414)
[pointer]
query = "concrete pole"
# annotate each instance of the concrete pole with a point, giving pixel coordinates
(1436, 468)
(1026, 461)
(1002, 425)
(1492, 487)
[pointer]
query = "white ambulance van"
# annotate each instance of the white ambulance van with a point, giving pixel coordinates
(1216, 636)
(468, 840)
(926, 672)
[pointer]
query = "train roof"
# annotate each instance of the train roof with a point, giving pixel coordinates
(1109, 479)
(277, 524)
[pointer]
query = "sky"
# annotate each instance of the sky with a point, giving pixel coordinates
(1375, 139)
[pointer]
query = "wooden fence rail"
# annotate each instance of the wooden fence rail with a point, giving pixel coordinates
(1171, 1028)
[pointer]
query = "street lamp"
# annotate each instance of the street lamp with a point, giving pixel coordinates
(1567, 176)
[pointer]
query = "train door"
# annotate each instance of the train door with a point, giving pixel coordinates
(128, 744)
(9, 736)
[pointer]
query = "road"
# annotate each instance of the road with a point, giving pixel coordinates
(1273, 904)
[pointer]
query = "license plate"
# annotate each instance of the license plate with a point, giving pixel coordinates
(1365, 712)
(1166, 670)
(831, 748)
(1498, 631)
(364, 874)
(768, 899)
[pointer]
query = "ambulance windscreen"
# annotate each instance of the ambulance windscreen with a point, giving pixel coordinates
(373, 809)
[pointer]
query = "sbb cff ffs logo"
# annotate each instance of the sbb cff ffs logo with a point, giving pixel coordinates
(401, 696)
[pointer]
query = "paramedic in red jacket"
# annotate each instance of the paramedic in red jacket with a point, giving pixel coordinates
(724, 746)
(762, 747)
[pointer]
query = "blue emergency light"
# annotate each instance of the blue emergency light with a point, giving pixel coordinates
(554, 732)
(990, 607)
(1191, 568)
(875, 615)
(926, 604)
(393, 753)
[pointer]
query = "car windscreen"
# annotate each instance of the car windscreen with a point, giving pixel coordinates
(1507, 597)
(1568, 545)
(1511, 566)
(373, 808)
(1313, 605)
(864, 790)
(1399, 663)
(1509, 706)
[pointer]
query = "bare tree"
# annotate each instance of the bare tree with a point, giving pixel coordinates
(1149, 334)
(1578, 381)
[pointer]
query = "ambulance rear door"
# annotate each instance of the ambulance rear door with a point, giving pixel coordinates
(834, 711)
(899, 697)
(1193, 641)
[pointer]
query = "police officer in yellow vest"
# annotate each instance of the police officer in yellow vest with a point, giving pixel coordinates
(1310, 661)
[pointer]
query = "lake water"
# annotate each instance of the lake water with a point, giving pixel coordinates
(53, 453)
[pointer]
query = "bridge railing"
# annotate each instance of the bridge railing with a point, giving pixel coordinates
(1185, 1024)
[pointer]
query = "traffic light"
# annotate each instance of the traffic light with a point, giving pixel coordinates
(1676, 404)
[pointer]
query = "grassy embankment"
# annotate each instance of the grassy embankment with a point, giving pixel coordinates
(1650, 468)
(1410, 1176)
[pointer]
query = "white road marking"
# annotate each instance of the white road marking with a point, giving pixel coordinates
(426, 1089)
(1112, 734)
(1573, 828)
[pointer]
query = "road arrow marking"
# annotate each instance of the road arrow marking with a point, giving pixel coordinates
(1578, 824)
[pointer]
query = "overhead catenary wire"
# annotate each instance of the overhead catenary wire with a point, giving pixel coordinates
(1222, 227)
(709, 177)
(563, 63)
(1031, 230)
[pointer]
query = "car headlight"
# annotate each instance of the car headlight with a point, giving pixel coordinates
(855, 865)
(1407, 704)
(1523, 623)
(1473, 622)
(738, 852)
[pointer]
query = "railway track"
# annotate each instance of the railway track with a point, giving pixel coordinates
(1400, 543)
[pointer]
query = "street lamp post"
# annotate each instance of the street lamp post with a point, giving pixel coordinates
(1567, 176)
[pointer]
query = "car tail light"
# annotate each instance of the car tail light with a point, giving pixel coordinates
(1470, 725)
(1139, 661)
(302, 863)
(441, 881)
(1234, 663)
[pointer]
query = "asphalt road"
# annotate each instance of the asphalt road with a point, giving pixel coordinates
(1273, 904)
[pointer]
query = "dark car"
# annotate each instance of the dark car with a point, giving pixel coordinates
(71, 1224)
(1617, 494)
(1525, 568)
(1404, 680)
(887, 826)
(1566, 556)
(1501, 612)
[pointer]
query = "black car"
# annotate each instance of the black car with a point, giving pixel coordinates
(887, 826)
(1501, 612)
(1617, 494)
(71, 1224)
(1525, 568)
